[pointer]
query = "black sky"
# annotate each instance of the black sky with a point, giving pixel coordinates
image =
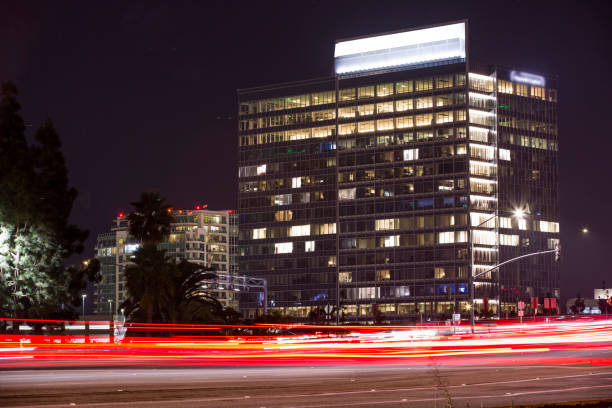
(143, 93)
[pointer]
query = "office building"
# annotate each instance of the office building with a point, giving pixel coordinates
(385, 187)
(201, 236)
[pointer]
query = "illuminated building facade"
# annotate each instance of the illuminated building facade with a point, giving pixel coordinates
(205, 237)
(382, 188)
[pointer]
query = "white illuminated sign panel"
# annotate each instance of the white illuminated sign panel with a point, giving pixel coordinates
(527, 78)
(407, 48)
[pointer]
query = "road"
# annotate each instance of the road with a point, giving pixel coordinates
(506, 381)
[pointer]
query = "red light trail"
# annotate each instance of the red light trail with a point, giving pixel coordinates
(324, 345)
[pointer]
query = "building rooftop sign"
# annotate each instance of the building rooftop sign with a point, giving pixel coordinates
(527, 78)
(414, 47)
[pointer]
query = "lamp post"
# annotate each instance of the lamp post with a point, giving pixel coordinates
(83, 296)
(110, 308)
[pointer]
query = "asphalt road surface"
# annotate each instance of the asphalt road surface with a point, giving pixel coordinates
(435, 383)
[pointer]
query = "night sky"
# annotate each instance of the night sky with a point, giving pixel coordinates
(143, 94)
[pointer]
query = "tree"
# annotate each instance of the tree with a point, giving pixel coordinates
(35, 204)
(159, 289)
(150, 221)
(151, 274)
(192, 303)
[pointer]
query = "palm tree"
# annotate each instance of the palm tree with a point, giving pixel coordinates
(149, 284)
(191, 302)
(150, 278)
(150, 221)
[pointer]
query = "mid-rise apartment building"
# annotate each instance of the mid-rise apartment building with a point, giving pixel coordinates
(202, 236)
(390, 184)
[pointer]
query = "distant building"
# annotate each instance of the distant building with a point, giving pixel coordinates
(591, 306)
(201, 236)
(602, 293)
(370, 190)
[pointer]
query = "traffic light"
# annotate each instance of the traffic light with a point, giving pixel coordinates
(557, 252)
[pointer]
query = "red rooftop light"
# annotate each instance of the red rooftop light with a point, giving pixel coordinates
(121, 214)
(197, 207)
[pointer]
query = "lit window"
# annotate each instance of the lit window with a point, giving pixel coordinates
(505, 222)
(387, 224)
(446, 237)
(384, 107)
(261, 169)
(130, 248)
(296, 182)
(403, 87)
(309, 246)
(299, 230)
(365, 127)
(403, 105)
(283, 248)
(504, 86)
(285, 215)
(425, 119)
(384, 90)
(259, 233)
(549, 226)
(281, 199)
(522, 224)
(345, 277)
(404, 122)
(385, 274)
(390, 241)
(504, 154)
(347, 194)
(552, 243)
(323, 229)
(411, 154)
(483, 237)
(508, 240)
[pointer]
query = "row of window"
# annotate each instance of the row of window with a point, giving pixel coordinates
(351, 94)
(362, 141)
(486, 84)
(283, 168)
(292, 231)
(348, 112)
(529, 141)
(440, 151)
(526, 124)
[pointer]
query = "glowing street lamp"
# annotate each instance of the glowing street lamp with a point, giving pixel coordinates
(585, 230)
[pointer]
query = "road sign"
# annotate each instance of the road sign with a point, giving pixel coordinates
(521, 305)
(521, 313)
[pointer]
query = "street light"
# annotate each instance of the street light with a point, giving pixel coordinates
(585, 230)
(518, 213)
(83, 296)
(110, 308)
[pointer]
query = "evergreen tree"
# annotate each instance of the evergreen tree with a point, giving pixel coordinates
(35, 204)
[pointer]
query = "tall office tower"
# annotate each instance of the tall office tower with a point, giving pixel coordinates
(391, 186)
(201, 236)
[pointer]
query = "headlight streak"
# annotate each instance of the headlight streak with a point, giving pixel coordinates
(332, 345)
